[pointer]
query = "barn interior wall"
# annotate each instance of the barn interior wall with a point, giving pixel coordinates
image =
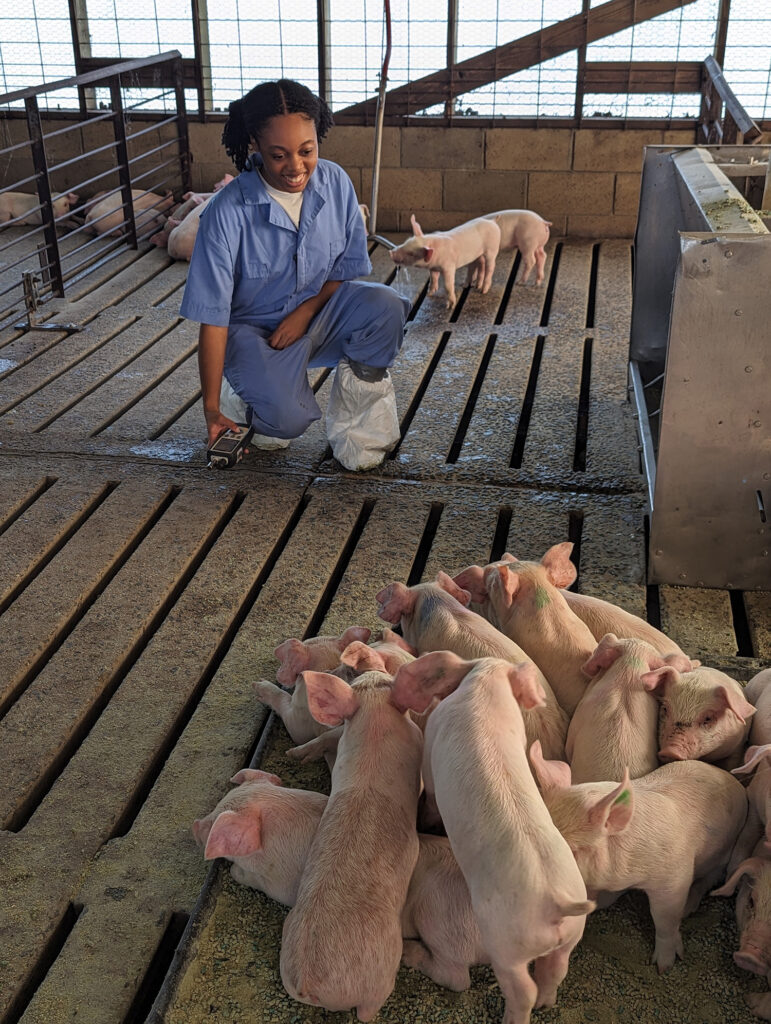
(585, 180)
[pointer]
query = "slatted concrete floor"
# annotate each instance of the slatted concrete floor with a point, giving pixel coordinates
(140, 593)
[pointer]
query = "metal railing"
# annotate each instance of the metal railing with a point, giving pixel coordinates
(55, 243)
(722, 116)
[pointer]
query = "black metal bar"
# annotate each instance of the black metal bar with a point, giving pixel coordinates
(37, 147)
(452, 49)
(199, 62)
(124, 174)
(581, 69)
(119, 68)
(182, 134)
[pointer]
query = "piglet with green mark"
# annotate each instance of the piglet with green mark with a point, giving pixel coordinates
(669, 834)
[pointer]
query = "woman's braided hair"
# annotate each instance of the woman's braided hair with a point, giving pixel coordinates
(247, 116)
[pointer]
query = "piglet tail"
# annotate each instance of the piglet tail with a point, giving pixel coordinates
(235, 135)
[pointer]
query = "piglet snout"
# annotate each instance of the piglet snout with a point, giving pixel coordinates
(750, 958)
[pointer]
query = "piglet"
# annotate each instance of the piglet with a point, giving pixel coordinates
(753, 916)
(342, 941)
(264, 830)
(527, 893)
(600, 616)
(757, 763)
(530, 608)
(670, 834)
(758, 692)
(445, 251)
(614, 727)
(526, 231)
(321, 653)
(433, 617)
(107, 216)
(23, 208)
(704, 715)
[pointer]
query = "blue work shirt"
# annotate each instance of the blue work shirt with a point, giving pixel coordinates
(251, 265)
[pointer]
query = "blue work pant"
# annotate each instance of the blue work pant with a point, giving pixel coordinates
(363, 321)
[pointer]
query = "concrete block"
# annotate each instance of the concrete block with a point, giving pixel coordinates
(402, 189)
(554, 192)
(626, 199)
(597, 149)
(205, 141)
(205, 174)
(477, 193)
(524, 149)
(442, 147)
(586, 226)
(432, 220)
(354, 146)
(95, 134)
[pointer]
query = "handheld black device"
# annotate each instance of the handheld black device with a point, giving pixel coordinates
(229, 447)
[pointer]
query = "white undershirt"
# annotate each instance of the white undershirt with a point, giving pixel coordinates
(290, 201)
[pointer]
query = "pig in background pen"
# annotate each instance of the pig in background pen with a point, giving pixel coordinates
(647, 834)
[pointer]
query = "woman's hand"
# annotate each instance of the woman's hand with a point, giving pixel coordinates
(217, 424)
(292, 327)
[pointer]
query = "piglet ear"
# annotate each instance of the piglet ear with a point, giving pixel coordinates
(659, 680)
(428, 253)
(613, 812)
(448, 583)
(507, 580)
(362, 633)
(550, 774)
(394, 601)
(73, 197)
(254, 775)
(560, 569)
(676, 660)
(294, 657)
(387, 636)
(235, 834)
(362, 658)
(201, 828)
(526, 685)
(735, 702)
(751, 867)
(433, 675)
(472, 580)
(605, 653)
(330, 700)
(416, 228)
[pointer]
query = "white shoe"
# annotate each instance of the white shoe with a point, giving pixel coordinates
(234, 407)
(362, 422)
(268, 444)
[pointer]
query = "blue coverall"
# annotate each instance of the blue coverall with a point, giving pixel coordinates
(251, 267)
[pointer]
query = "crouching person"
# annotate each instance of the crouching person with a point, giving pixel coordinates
(272, 283)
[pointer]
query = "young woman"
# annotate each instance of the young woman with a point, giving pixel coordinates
(273, 284)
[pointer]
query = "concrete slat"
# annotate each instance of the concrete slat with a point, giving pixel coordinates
(758, 607)
(147, 417)
(700, 621)
(613, 553)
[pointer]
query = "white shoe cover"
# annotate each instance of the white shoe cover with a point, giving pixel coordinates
(362, 422)
(234, 407)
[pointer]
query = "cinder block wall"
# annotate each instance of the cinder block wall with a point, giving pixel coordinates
(586, 180)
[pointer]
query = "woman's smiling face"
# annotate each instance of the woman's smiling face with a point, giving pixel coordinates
(290, 151)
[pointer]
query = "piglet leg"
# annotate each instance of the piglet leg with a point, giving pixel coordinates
(317, 748)
(667, 910)
(276, 698)
(519, 990)
(549, 972)
(444, 972)
(760, 1004)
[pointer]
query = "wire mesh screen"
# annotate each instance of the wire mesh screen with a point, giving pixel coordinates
(243, 42)
(35, 44)
(747, 64)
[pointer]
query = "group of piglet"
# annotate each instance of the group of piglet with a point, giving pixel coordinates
(476, 244)
(497, 774)
(155, 216)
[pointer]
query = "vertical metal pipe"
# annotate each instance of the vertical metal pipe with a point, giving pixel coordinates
(581, 69)
(202, 57)
(452, 54)
(381, 95)
(183, 139)
(323, 26)
(37, 146)
(121, 150)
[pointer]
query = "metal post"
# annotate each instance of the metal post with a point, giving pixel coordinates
(182, 134)
(323, 27)
(37, 145)
(124, 172)
(452, 53)
(202, 58)
(381, 96)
